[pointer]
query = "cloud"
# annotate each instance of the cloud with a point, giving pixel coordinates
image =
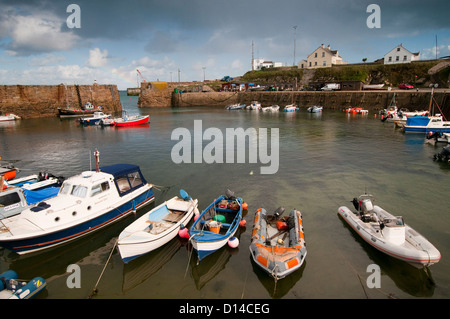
(34, 34)
(430, 53)
(98, 58)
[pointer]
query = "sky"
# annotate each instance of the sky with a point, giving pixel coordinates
(49, 42)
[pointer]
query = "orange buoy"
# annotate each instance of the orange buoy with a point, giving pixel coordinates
(244, 205)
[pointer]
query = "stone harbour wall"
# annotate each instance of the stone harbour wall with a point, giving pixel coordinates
(34, 101)
(371, 100)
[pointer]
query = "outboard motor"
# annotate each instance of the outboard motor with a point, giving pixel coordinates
(443, 156)
(355, 203)
(434, 135)
(279, 212)
(229, 194)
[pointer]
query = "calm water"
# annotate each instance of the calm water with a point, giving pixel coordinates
(325, 160)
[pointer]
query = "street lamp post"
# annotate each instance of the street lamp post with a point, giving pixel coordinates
(295, 38)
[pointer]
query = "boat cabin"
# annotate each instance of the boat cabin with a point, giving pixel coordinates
(12, 202)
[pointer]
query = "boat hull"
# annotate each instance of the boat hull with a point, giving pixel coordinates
(75, 113)
(279, 253)
(421, 257)
(137, 240)
(37, 242)
(205, 241)
(141, 121)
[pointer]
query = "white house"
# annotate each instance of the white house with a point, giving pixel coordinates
(258, 64)
(400, 55)
(322, 57)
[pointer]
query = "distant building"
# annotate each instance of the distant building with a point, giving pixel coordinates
(322, 57)
(258, 64)
(400, 55)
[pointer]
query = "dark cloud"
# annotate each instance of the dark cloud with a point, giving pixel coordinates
(159, 23)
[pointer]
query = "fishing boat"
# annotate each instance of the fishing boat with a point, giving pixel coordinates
(85, 203)
(291, 108)
(157, 227)
(425, 124)
(356, 110)
(278, 243)
(255, 105)
(388, 233)
(9, 117)
(272, 108)
(13, 288)
(216, 224)
(236, 106)
(131, 120)
(94, 119)
(314, 109)
(86, 110)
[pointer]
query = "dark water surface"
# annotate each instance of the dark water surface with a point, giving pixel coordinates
(324, 161)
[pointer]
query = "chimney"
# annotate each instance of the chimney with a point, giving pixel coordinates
(321, 45)
(328, 47)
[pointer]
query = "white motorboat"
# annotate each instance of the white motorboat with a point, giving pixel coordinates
(157, 227)
(9, 117)
(290, 108)
(94, 119)
(388, 233)
(85, 203)
(255, 105)
(315, 109)
(272, 108)
(236, 106)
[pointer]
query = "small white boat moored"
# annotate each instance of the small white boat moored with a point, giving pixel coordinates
(272, 108)
(388, 233)
(255, 105)
(315, 109)
(157, 227)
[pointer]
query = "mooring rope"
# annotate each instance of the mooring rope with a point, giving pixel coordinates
(95, 290)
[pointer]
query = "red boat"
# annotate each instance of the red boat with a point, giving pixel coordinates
(131, 120)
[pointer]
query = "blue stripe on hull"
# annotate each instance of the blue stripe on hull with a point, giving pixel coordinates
(66, 235)
(414, 129)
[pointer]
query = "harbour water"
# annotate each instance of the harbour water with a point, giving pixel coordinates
(324, 161)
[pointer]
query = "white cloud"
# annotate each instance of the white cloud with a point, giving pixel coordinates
(98, 58)
(430, 53)
(33, 34)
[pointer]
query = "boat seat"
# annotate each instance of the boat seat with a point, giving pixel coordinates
(173, 216)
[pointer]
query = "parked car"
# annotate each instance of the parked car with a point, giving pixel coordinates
(405, 86)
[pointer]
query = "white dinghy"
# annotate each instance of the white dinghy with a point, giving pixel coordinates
(157, 227)
(388, 233)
